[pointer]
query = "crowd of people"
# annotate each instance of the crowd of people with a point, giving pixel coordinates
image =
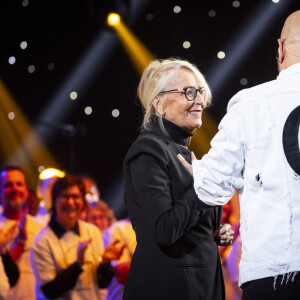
(72, 247)
(53, 247)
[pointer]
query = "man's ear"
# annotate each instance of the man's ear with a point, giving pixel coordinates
(281, 51)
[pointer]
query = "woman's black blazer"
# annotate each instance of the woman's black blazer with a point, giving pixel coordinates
(176, 256)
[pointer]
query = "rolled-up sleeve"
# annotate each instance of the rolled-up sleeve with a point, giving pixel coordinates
(220, 171)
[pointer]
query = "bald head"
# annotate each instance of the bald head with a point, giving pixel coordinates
(291, 30)
(289, 42)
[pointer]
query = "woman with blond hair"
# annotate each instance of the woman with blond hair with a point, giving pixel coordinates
(177, 235)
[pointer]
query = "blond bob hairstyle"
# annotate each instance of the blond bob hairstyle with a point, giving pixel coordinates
(156, 78)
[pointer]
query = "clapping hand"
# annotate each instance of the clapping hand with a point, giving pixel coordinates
(82, 246)
(6, 236)
(113, 251)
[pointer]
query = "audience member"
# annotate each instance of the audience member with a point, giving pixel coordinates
(13, 194)
(66, 253)
(9, 271)
(100, 215)
(122, 233)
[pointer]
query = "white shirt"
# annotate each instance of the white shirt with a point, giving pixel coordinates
(248, 154)
(50, 255)
(25, 287)
(121, 230)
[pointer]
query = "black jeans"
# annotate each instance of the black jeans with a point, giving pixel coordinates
(263, 289)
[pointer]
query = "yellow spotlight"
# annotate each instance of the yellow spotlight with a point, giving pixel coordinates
(113, 19)
(51, 172)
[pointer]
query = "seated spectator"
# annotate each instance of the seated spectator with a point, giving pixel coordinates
(66, 254)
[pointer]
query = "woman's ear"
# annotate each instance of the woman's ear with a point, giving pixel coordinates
(157, 105)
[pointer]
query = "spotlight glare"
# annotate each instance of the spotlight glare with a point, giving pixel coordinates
(236, 4)
(113, 19)
(275, 1)
(73, 96)
(88, 110)
(12, 60)
(115, 113)
(23, 45)
(31, 68)
(244, 81)
(221, 55)
(177, 9)
(186, 45)
(51, 66)
(212, 13)
(11, 115)
(25, 3)
(41, 169)
(149, 17)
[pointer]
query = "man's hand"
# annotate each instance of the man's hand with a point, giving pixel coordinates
(188, 166)
(224, 235)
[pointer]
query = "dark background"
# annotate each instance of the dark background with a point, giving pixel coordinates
(62, 32)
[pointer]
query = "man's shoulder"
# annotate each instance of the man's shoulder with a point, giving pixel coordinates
(254, 93)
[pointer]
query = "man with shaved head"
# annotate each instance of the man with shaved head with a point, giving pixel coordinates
(257, 151)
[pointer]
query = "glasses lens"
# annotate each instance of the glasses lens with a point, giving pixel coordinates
(190, 93)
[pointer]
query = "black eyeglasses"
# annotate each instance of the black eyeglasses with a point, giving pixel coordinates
(190, 92)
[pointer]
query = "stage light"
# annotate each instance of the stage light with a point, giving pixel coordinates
(244, 81)
(244, 42)
(113, 19)
(51, 66)
(31, 69)
(73, 95)
(25, 3)
(275, 1)
(12, 60)
(115, 113)
(88, 110)
(51, 172)
(186, 45)
(212, 13)
(149, 17)
(221, 55)
(19, 144)
(11, 115)
(138, 53)
(23, 45)
(236, 4)
(177, 9)
(41, 169)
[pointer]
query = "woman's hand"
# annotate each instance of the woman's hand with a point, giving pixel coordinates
(224, 235)
(82, 246)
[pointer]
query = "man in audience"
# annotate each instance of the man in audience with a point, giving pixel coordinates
(13, 195)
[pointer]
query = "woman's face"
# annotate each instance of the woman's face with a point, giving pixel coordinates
(176, 108)
(68, 205)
